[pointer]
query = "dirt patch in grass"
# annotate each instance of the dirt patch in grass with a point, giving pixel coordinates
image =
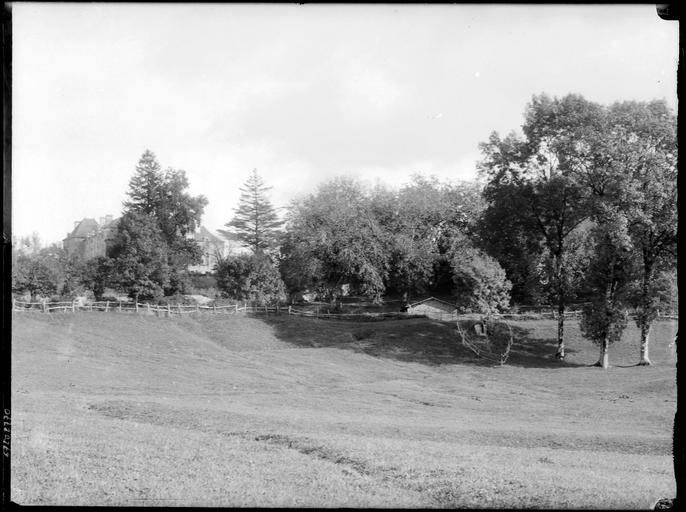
(307, 447)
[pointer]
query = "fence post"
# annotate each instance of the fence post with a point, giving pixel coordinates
(197, 308)
(236, 306)
(136, 304)
(120, 306)
(168, 310)
(73, 306)
(14, 303)
(148, 304)
(45, 307)
(289, 310)
(107, 306)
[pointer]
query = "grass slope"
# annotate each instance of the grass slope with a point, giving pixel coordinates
(118, 409)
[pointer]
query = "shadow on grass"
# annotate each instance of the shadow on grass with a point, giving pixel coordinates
(422, 340)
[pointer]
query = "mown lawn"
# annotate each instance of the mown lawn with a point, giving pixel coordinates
(115, 409)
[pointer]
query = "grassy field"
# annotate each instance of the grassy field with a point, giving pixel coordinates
(118, 409)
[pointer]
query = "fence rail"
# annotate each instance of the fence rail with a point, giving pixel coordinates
(318, 312)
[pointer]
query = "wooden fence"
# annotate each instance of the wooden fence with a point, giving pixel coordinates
(185, 309)
(137, 307)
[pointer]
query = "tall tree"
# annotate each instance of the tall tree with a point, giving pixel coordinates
(609, 274)
(629, 159)
(409, 232)
(534, 173)
(644, 152)
(504, 233)
(255, 223)
(164, 198)
(336, 229)
(146, 186)
(419, 223)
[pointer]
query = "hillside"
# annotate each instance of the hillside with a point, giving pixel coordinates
(118, 409)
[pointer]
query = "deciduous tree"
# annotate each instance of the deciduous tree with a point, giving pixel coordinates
(536, 172)
(609, 274)
(480, 282)
(251, 277)
(140, 259)
(336, 227)
(645, 154)
(33, 275)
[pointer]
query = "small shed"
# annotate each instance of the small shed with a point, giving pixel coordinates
(433, 308)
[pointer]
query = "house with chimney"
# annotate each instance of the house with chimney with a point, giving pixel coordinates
(90, 238)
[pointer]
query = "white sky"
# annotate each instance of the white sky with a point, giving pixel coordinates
(302, 93)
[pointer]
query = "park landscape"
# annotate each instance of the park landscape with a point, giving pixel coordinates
(143, 405)
(498, 338)
(254, 410)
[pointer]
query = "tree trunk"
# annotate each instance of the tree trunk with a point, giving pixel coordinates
(678, 443)
(645, 315)
(645, 334)
(604, 359)
(560, 330)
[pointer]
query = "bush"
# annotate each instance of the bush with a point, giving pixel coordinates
(252, 278)
(480, 281)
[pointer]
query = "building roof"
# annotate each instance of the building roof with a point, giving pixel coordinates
(438, 302)
(202, 233)
(110, 223)
(84, 229)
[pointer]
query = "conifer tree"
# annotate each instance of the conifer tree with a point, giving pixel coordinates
(145, 185)
(160, 203)
(255, 223)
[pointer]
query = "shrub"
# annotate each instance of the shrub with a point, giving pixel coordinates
(252, 278)
(480, 281)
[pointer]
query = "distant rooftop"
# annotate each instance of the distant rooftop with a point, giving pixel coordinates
(202, 233)
(84, 228)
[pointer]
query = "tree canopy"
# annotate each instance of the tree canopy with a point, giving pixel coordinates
(166, 212)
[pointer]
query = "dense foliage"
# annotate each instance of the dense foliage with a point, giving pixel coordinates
(252, 278)
(580, 206)
(160, 205)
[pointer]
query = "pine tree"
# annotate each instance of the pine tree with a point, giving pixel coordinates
(255, 223)
(145, 185)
